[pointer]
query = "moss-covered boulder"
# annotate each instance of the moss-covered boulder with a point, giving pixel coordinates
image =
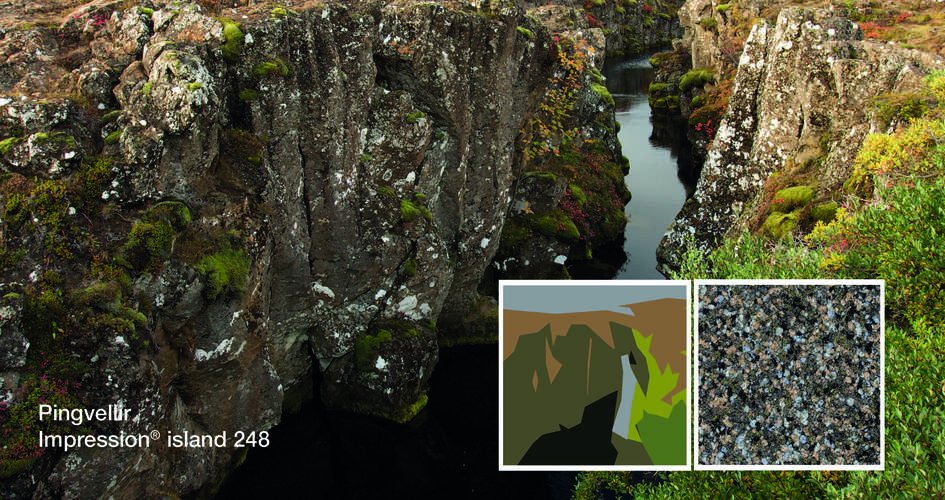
(790, 198)
(824, 212)
(388, 374)
(779, 225)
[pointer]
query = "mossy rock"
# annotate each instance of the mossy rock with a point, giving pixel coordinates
(538, 174)
(233, 40)
(103, 295)
(173, 213)
(604, 94)
(554, 224)
(696, 78)
(790, 198)
(670, 102)
(225, 271)
(408, 211)
(656, 88)
(825, 212)
(147, 244)
(367, 346)
(779, 225)
(272, 67)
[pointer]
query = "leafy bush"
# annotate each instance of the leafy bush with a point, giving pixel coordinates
(898, 239)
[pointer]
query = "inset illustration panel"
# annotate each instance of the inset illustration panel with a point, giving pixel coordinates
(790, 375)
(593, 375)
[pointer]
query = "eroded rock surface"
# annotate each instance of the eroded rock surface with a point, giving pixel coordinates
(802, 91)
(206, 209)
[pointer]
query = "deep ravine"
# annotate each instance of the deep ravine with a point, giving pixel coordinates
(661, 175)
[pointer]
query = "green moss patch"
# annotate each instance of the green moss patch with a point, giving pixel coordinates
(113, 137)
(233, 40)
(825, 212)
(272, 67)
(604, 94)
(366, 348)
(790, 198)
(408, 211)
(779, 225)
(150, 240)
(225, 271)
(416, 115)
(696, 78)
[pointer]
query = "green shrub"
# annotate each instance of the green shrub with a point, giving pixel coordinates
(526, 32)
(723, 7)
(899, 240)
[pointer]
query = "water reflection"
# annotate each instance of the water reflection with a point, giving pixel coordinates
(661, 173)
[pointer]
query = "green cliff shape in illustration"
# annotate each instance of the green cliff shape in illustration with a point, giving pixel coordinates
(650, 399)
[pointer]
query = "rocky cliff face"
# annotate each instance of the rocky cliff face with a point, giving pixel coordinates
(800, 106)
(201, 210)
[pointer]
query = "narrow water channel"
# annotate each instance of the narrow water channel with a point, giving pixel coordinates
(661, 173)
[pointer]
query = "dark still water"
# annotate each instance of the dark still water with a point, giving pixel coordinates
(661, 174)
(450, 450)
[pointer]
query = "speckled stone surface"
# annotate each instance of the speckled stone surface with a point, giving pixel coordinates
(789, 374)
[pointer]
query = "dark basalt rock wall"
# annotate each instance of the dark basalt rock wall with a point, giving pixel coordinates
(200, 211)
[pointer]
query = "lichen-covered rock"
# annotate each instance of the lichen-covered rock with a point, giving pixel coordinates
(240, 210)
(13, 345)
(802, 91)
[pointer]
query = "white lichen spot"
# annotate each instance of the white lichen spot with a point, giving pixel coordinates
(561, 259)
(69, 155)
(381, 363)
(411, 176)
(484, 243)
(380, 294)
(221, 349)
(322, 289)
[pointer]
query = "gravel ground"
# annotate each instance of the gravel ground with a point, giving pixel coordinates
(789, 374)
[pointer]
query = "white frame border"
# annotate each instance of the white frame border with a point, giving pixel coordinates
(689, 397)
(882, 374)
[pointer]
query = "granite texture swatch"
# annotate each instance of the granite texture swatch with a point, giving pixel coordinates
(789, 374)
